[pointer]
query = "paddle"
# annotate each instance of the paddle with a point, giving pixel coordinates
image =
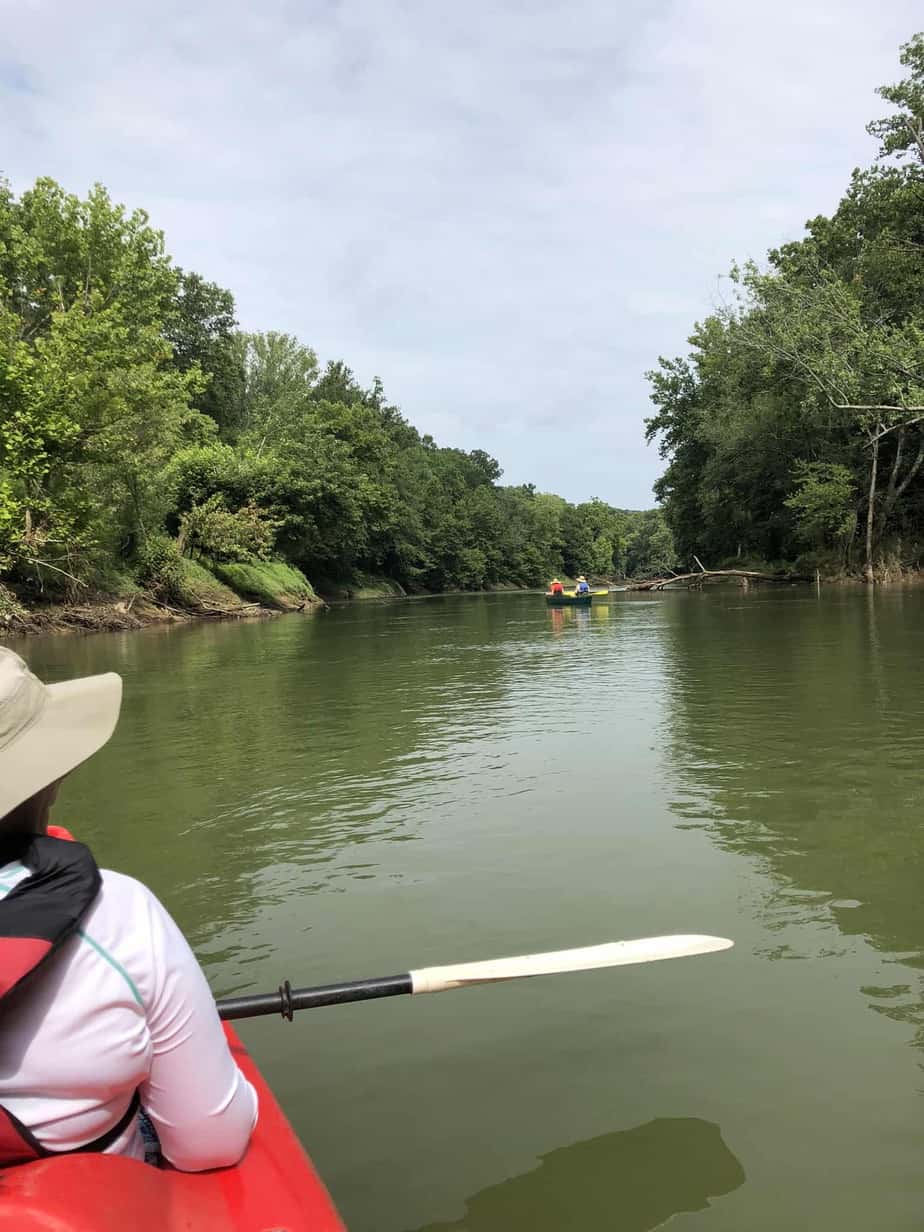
(462, 975)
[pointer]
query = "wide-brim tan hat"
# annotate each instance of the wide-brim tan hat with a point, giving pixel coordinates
(47, 730)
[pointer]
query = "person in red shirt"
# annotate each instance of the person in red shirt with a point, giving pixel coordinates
(556, 587)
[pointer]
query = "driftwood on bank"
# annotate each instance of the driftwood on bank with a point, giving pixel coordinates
(697, 580)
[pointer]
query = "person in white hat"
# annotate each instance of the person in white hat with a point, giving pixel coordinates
(103, 1005)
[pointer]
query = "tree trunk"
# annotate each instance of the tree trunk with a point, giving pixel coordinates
(896, 489)
(871, 510)
(849, 542)
(896, 468)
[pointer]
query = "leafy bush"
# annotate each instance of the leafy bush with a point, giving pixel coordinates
(824, 501)
(225, 534)
(10, 607)
(159, 565)
(200, 471)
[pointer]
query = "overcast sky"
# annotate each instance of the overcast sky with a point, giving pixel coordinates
(506, 210)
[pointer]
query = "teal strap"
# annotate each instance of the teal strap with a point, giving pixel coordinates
(114, 963)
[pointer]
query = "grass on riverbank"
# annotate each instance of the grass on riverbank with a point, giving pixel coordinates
(187, 590)
(197, 589)
(271, 582)
(362, 586)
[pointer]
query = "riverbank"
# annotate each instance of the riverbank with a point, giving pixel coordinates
(192, 591)
(102, 614)
(221, 592)
(386, 588)
(254, 592)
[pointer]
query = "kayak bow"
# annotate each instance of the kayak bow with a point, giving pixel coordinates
(273, 1187)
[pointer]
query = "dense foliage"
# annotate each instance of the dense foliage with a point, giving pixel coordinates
(140, 428)
(796, 425)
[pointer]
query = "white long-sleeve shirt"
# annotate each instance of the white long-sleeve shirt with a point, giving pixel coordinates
(123, 1007)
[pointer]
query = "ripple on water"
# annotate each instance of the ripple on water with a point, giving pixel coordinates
(417, 782)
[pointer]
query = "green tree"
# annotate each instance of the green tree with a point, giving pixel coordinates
(92, 407)
(903, 132)
(824, 501)
(279, 374)
(138, 424)
(200, 328)
(818, 363)
(650, 550)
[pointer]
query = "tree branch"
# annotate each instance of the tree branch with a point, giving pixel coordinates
(896, 467)
(915, 127)
(912, 470)
(32, 560)
(917, 412)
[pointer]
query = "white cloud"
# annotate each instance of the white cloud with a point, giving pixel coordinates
(507, 211)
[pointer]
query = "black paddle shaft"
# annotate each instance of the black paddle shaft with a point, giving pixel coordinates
(287, 1000)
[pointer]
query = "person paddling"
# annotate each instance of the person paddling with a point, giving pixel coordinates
(581, 588)
(103, 1006)
(556, 588)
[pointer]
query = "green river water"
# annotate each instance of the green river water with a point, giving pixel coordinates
(389, 785)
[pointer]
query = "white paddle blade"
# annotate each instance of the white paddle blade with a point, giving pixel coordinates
(612, 954)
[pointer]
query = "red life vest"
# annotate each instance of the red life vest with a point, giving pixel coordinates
(36, 917)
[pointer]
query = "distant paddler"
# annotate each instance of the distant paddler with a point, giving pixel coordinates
(581, 587)
(555, 587)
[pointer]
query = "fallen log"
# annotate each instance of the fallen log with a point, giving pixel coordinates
(697, 580)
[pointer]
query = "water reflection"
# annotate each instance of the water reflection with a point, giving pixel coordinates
(274, 744)
(632, 1180)
(453, 779)
(796, 738)
(578, 619)
(271, 754)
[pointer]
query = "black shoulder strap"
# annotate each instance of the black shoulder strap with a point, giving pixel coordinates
(18, 1144)
(40, 913)
(45, 908)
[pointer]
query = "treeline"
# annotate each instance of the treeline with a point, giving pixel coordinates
(795, 427)
(141, 429)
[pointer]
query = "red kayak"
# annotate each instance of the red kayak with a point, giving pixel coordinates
(273, 1189)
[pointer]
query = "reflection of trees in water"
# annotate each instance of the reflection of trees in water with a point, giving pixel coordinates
(252, 756)
(796, 737)
(633, 1180)
(254, 747)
